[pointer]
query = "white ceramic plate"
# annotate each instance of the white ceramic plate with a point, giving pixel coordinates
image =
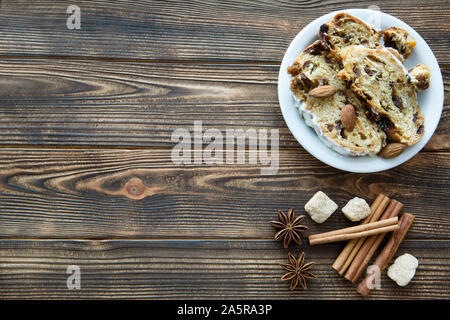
(430, 100)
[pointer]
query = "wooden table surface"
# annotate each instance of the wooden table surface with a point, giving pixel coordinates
(86, 176)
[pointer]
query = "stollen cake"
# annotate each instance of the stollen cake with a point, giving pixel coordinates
(381, 80)
(346, 30)
(316, 67)
(358, 70)
(420, 76)
(400, 40)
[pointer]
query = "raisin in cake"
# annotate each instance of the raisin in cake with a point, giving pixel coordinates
(316, 66)
(381, 80)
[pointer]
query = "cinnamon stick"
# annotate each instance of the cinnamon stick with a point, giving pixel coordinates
(346, 256)
(364, 227)
(350, 260)
(388, 251)
(370, 245)
(375, 228)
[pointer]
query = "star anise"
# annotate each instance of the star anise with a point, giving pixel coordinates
(290, 226)
(297, 271)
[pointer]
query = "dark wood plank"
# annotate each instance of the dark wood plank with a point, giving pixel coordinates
(202, 30)
(134, 104)
(130, 104)
(198, 270)
(142, 194)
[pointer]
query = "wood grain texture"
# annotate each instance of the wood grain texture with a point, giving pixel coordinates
(73, 100)
(201, 30)
(142, 194)
(198, 270)
(52, 102)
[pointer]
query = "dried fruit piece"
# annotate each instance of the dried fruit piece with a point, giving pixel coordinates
(348, 117)
(392, 150)
(322, 91)
(294, 70)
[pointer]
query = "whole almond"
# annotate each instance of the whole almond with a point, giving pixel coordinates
(392, 150)
(322, 91)
(348, 117)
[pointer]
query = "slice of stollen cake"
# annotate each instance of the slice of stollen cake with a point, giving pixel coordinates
(381, 80)
(316, 68)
